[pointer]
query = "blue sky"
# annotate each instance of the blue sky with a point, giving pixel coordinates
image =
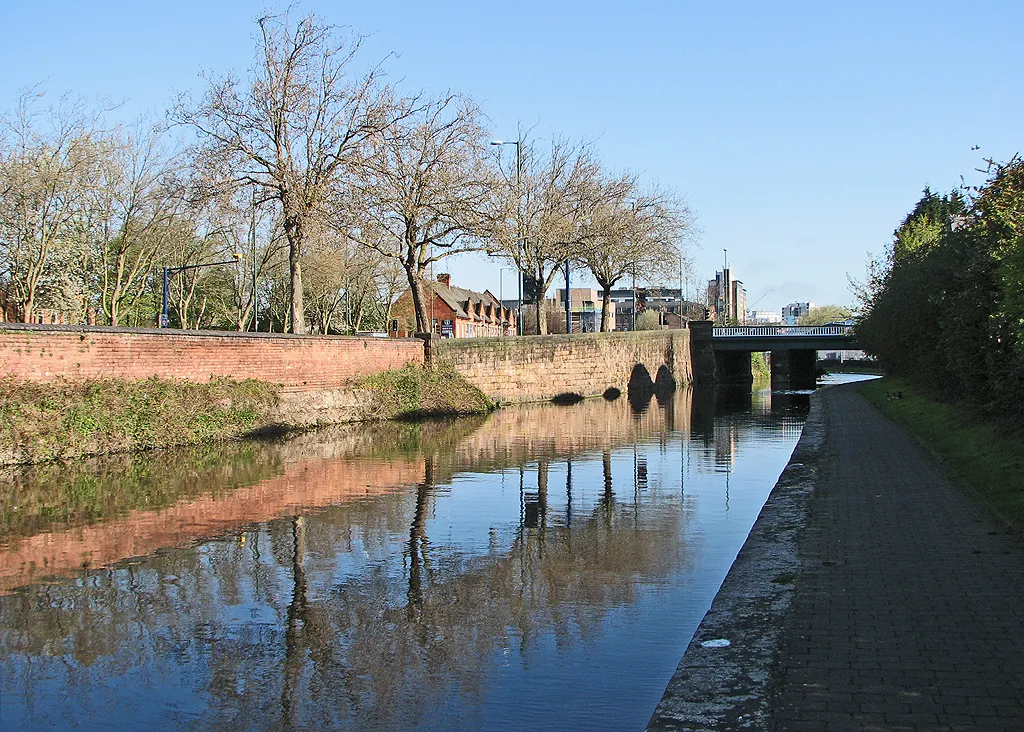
(800, 132)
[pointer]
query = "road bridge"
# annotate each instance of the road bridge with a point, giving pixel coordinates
(725, 351)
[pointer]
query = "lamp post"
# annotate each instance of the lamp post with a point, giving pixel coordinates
(681, 289)
(255, 266)
(171, 272)
(568, 304)
(519, 231)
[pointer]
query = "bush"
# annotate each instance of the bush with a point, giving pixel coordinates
(648, 320)
(416, 391)
(60, 420)
(945, 306)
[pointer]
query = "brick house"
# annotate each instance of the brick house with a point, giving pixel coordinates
(456, 312)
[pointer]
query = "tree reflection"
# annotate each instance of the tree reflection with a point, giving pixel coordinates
(419, 559)
(352, 651)
(295, 623)
(357, 609)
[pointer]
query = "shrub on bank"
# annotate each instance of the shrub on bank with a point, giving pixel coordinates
(760, 367)
(418, 391)
(60, 420)
(944, 306)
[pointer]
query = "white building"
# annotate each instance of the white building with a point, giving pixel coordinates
(763, 317)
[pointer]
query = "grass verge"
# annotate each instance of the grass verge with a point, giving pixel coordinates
(65, 420)
(984, 455)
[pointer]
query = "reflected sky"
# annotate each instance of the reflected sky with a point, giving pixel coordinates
(542, 567)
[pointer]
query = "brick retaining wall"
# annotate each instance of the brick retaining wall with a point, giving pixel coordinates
(46, 353)
(533, 368)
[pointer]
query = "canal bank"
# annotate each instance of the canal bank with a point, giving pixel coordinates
(725, 679)
(71, 391)
(872, 593)
(67, 420)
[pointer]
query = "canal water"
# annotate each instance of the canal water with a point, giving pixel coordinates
(543, 567)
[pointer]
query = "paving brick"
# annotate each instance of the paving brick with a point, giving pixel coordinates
(909, 605)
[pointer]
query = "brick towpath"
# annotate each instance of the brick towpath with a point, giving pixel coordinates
(909, 609)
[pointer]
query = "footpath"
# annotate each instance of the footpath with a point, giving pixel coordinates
(907, 607)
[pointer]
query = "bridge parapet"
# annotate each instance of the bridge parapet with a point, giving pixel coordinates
(782, 330)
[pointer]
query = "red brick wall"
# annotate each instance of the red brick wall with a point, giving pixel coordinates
(40, 353)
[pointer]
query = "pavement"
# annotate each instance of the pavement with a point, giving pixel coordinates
(909, 608)
(873, 593)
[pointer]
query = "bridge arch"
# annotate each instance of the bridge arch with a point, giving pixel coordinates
(537, 368)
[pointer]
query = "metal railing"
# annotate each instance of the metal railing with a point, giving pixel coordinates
(782, 330)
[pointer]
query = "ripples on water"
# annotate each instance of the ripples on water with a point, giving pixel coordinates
(540, 568)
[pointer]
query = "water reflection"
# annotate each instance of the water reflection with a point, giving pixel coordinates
(543, 566)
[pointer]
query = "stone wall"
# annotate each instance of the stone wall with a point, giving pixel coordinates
(536, 368)
(299, 363)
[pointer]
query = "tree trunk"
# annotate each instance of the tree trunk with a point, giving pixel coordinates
(27, 306)
(28, 302)
(542, 319)
(115, 297)
(419, 302)
(293, 232)
(606, 296)
(295, 267)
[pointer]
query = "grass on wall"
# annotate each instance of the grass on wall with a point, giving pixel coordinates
(986, 456)
(65, 420)
(418, 391)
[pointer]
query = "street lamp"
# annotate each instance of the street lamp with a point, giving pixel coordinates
(255, 266)
(519, 232)
(568, 304)
(171, 272)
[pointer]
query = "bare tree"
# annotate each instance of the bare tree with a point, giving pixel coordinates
(635, 231)
(48, 164)
(251, 231)
(388, 279)
(325, 283)
(370, 285)
(423, 189)
(293, 127)
(192, 243)
(132, 215)
(542, 214)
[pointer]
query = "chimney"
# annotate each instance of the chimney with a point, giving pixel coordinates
(445, 279)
